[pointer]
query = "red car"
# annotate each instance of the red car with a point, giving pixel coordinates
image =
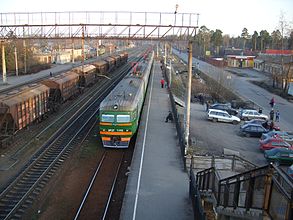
(271, 143)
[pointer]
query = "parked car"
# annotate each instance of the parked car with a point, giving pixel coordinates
(248, 114)
(272, 142)
(262, 122)
(286, 136)
(279, 155)
(222, 116)
(252, 130)
(224, 107)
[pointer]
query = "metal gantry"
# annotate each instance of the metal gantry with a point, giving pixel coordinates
(98, 25)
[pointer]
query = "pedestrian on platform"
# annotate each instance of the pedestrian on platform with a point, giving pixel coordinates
(272, 114)
(162, 82)
(272, 102)
(169, 117)
(277, 116)
(51, 74)
(272, 126)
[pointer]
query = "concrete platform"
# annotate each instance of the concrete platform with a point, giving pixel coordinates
(157, 185)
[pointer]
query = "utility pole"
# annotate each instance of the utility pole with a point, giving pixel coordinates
(4, 63)
(72, 50)
(82, 48)
(170, 77)
(165, 55)
(16, 63)
(24, 51)
(188, 96)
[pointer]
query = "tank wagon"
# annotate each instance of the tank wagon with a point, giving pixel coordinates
(120, 110)
(21, 107)
(29, 103)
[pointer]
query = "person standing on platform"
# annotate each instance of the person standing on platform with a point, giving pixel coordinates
(272, 102)
(162, 82)
(277, 116)
(272, 114)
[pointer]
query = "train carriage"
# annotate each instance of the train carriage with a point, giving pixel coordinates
(62, 88)
(123, 57)
(120, 110)
(21, 107)
(87, 75)
(111, 63)
(117, 59)
(101, 66)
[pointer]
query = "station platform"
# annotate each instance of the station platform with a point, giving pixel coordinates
(158, 186)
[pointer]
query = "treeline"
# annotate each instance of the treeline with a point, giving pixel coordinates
(214, 41)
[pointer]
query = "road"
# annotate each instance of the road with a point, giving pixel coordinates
(248, 91)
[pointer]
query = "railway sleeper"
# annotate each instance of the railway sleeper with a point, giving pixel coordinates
(15, 194)
(7, 206)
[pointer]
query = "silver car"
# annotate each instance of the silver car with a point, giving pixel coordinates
(248, 114)
(222, 116)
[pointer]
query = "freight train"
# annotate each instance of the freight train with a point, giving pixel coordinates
(30, 103)
(120, 110)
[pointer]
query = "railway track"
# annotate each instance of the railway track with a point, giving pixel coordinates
(99, 193)
(20, 194)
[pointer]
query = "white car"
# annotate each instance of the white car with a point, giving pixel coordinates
(248, 114)
(222, 116)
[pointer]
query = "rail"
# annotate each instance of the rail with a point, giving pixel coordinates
(46, 161)
(97, 207)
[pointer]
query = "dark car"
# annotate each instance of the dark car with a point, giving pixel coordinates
(224, 107)
(279, 155)
(252, 130)
(263, 122)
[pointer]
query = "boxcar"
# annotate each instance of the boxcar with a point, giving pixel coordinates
(120, 110)
(117, 60)
(101, 66)
(87, 75)
(123, 57)
(111, 63)
(62, 88)
(21, 107)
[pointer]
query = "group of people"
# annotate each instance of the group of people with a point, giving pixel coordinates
(274, 114)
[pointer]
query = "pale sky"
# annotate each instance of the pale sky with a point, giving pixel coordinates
(230, 16)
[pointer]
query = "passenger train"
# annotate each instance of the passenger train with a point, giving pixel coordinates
(120, 110)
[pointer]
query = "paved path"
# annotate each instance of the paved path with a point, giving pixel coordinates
(157, 186)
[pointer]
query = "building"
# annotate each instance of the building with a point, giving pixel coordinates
(240, 61)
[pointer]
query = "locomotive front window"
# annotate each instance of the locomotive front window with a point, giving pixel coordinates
(123, 118)
(107, 118)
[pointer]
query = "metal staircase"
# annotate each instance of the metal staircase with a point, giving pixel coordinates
(261, 193)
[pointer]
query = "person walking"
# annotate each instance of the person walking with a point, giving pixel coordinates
(162, 82)
(272, 102)
(272, 114)
(277, 116)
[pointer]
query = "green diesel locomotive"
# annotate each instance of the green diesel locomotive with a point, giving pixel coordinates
(120, 110)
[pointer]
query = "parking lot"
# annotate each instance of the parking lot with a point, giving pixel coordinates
(212, 137)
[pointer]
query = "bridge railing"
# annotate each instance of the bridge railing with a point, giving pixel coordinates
(267, 188)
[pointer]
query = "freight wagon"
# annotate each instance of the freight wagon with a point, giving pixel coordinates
(87, 75)
(21, 107)
(120, 110)
(62, 87)
(29, 103)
